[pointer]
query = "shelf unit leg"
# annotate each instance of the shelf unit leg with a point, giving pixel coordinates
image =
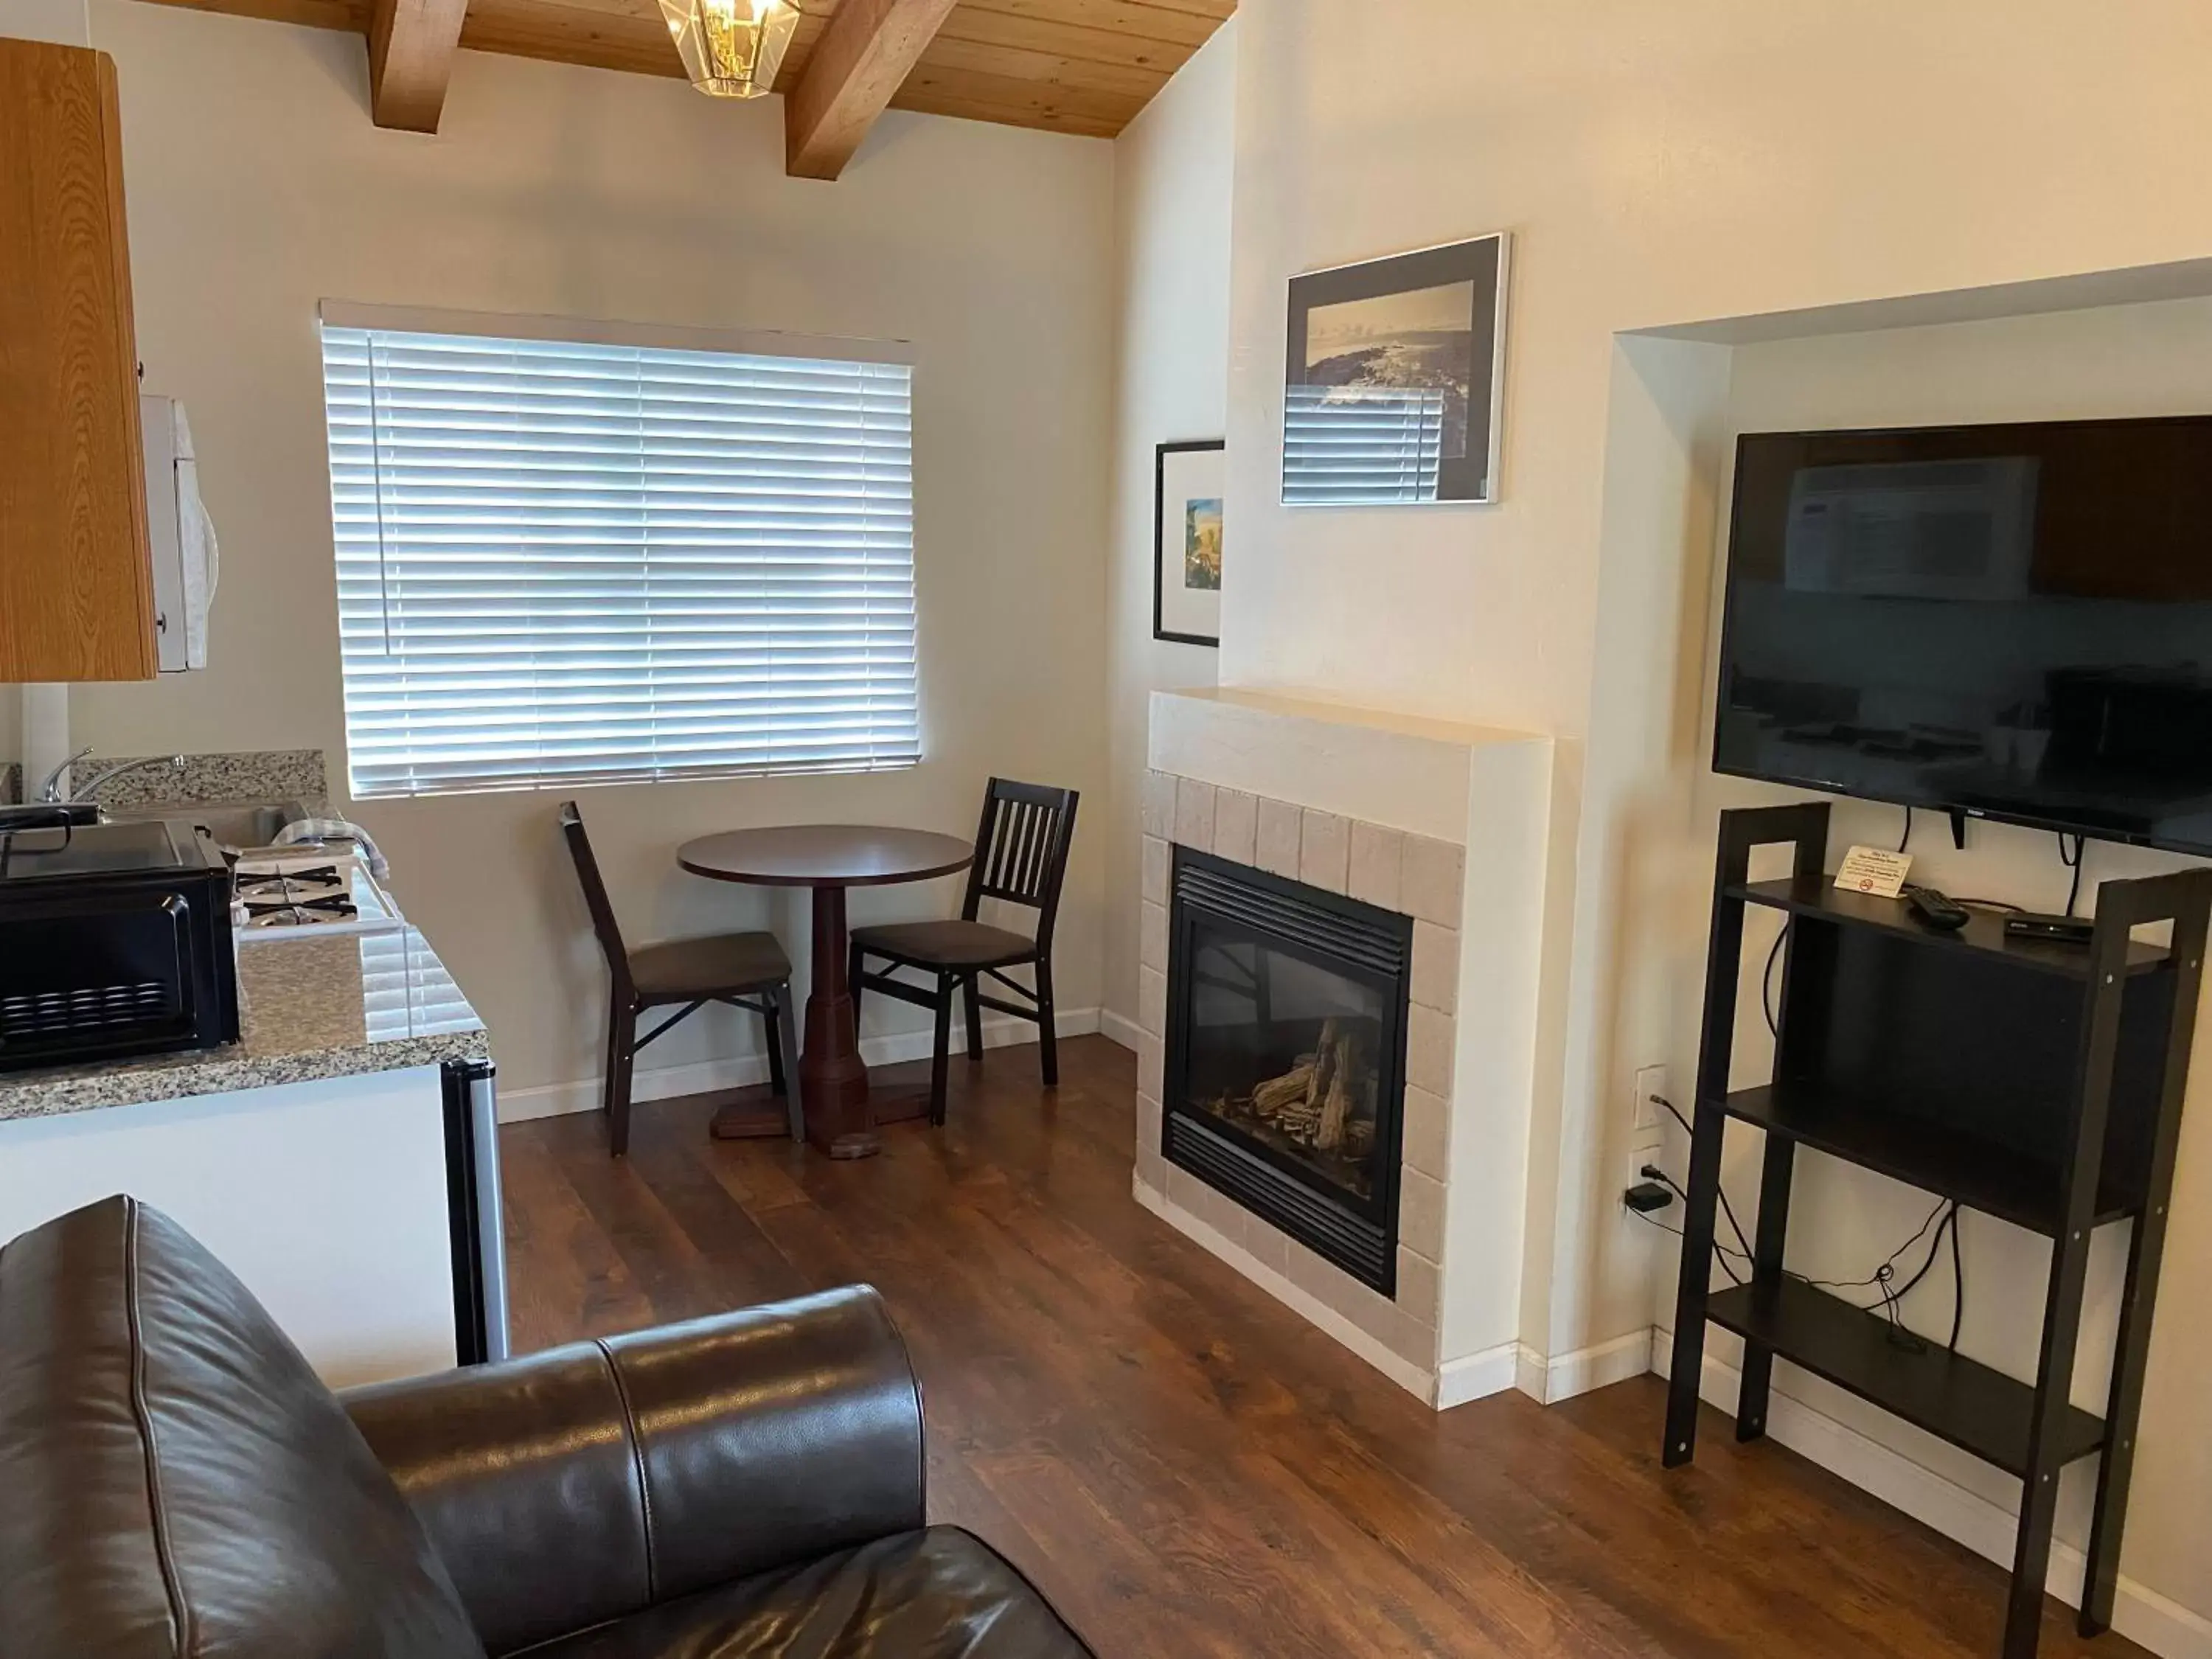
(2115, 1464)
(2070, 1268)
(1806, 826)
(2031, 1564)
(1695, 1287)
(2139, 1299)
(2062, 1328)
(1766, 1283)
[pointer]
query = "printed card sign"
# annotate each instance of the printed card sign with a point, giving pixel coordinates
(1874, 870)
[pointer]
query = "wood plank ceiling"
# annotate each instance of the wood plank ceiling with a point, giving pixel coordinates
(1078, 66)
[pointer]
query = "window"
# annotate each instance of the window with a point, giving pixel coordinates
(563, 560)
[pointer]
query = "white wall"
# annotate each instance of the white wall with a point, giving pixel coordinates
(257, 186)
(1171, 199)
(1717, 159)
(65, 22)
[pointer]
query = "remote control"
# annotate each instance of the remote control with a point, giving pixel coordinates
(1934, 909)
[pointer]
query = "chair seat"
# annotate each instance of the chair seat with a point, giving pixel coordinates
(679, 968)
(942, 1594)
(946, 943)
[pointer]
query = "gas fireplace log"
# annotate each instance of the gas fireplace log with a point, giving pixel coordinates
(1324, 1066)
(1337, 1106)
(1329, 1134)
(1272, 1096)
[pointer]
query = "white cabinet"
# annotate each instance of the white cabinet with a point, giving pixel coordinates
(328, 1198)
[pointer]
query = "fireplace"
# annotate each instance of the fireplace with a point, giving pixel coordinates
(1285, 1056)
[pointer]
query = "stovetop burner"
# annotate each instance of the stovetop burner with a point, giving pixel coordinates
(293, 912)
(282, 891)
(316, 896)
(323, 875)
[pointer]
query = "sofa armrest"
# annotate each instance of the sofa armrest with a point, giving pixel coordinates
(586, 1482)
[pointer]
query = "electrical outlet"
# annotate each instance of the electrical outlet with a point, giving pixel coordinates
(1649, 1081)
(1649, 1138)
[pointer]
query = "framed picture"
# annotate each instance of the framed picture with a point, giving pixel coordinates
(1393, 377)
(1186, 489)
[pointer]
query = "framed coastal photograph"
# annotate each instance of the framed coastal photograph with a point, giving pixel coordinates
(1393, 378)
(1187, 489)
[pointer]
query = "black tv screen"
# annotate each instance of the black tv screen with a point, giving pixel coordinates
(2014, 621)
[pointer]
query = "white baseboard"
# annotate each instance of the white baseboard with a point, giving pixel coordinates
(1121, 1028)
(1414, 1379)
(1477, 1376)
(2139, 1613)
(745, 1071)
(1548, 1381)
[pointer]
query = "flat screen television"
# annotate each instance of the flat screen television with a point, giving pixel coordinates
(2011, 621)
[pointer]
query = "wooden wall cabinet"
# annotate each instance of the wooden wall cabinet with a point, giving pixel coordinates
(76, 594)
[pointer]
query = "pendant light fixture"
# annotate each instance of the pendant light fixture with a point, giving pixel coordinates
(731, 48)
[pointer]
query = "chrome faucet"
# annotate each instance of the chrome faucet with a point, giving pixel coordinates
(52, 790)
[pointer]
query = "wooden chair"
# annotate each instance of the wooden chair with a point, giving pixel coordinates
(1021, 857)
(743, 971)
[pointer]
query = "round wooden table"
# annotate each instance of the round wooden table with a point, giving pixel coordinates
(828, 858)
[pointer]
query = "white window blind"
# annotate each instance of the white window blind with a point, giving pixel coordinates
(1350, 444)
(562, 561)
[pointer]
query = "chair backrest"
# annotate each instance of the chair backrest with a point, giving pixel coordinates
(595, 892)
(1021, 849)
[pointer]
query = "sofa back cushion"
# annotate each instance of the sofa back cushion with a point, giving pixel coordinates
(177, 1482)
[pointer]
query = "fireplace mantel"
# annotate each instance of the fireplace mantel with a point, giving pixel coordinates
(1401, 771)
(1449, 825)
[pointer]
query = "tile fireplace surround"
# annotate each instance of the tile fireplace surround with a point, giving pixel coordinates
(1443, 823)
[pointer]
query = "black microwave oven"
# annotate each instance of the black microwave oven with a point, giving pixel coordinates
(115, 940)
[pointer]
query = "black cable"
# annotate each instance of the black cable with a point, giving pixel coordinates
(1720, 1252)
(1905, 840)
(1766, 991)
(1937, 1219)
(1950, 1214)
(1743, 1241)
(1944, 1215)
(1958, 1281)
(1728, 1209)
(2074, 889)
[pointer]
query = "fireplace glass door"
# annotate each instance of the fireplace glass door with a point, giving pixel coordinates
(1285, 1055)
(1286, 1051)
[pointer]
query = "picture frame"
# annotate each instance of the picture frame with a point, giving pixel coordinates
(1188, 487)
(1393, 379)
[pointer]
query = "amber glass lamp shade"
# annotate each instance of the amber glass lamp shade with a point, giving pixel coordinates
(731, 48)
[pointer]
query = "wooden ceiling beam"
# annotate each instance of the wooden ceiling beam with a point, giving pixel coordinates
(411, 58)
(861, 61)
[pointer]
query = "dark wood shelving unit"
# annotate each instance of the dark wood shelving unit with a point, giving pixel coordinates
(1980, 1173)
(2041, 1084)
(1975, 1408)
(1983, 934)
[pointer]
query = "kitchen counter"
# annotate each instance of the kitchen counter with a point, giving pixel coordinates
(309, 1008)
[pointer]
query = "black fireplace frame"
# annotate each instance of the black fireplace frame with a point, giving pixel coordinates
(1346, 936)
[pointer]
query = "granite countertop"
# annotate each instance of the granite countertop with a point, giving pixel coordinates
(308, 1008)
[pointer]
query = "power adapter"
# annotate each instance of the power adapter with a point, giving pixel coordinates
(1646, 1196)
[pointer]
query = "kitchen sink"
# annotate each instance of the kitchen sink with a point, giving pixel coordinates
(233, 824)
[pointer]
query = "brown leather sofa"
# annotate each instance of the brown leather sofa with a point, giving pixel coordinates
(174, 1480)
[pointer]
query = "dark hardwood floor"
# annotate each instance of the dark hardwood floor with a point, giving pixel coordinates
(1185, 1465)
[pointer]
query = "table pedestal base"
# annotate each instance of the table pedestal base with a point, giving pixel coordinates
(751, 1120)
(833, 1083)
